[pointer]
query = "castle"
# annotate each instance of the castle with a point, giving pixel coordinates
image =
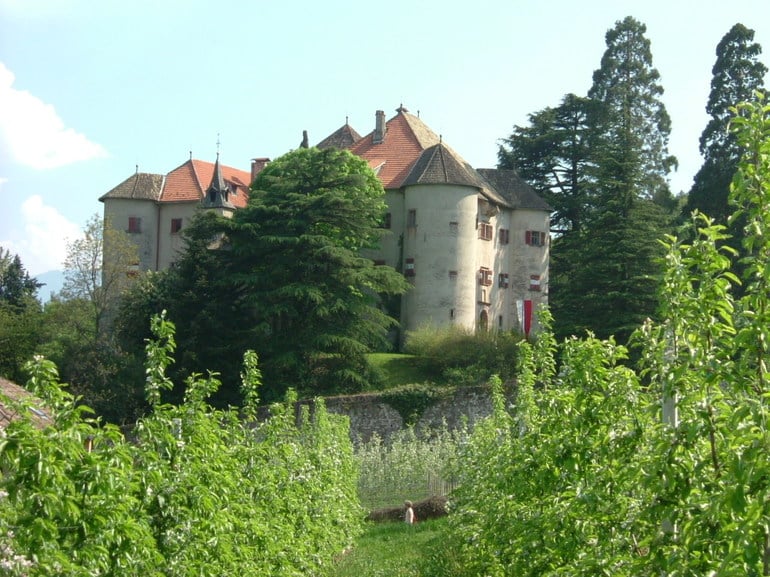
(474, 243)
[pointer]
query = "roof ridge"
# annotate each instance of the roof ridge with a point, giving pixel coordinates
(192, 162)
(440, 150)
(422, 133)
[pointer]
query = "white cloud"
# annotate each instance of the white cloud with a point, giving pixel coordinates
(34, 133)
(46, 233)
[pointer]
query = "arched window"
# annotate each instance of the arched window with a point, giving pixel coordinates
(484, 321)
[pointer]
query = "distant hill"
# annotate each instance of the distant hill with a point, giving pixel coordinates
(53, 281)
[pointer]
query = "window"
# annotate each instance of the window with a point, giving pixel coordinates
(409, 269)
(451, 314)
(485, 276)
(386, 220)
(504, 236)
(452, 275)
(133, 269)
(176, 225)
(502, 280)
(134, 224)
(535, 238)
(411, 219)
(500, 321)
(485, 231)
(534, 282)
(453, 227)
(379, 262)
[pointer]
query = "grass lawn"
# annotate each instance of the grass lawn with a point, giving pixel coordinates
(398, 369)
(391, 549)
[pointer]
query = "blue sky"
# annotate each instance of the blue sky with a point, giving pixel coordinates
(89, 90)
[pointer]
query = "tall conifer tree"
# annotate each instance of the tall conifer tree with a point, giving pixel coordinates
(737, 74)
(553, 154)
(606, 279)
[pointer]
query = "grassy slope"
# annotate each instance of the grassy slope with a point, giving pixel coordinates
(398, 369)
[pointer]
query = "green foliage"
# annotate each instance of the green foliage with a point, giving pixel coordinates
(737, 73)
(463, 357)
(603, 471)
(412, 465)
(601, 161)
(16, 286)
(287, 280)
(396, 369)
(411, 401)
(393, 550)
(632, 152)
(295, 259)
(606, 279)
(199, 491)
(96, 270)
(554, 154)
(20, 333)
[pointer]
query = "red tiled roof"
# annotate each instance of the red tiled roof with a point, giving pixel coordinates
(189, 182)
(406, 136)
(15, 393)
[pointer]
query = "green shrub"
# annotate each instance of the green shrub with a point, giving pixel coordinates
(460, 356)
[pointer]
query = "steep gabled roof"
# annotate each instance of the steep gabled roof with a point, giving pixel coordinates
(517, 193)
(188, 182)
(342, 138)
(141, 186)
(406, 137)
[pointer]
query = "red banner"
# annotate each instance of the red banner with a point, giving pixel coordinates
(527, 317)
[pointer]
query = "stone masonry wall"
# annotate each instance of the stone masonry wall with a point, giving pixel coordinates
(369, 413)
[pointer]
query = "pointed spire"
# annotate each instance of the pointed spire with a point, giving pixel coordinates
(218, 192)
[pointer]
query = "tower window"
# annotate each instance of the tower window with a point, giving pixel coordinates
(176, 225)
(535, 238)
(134, 225)
(409, 268)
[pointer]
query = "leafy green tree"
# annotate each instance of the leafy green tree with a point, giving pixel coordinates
(77, 323)
(16, 286)
(20, 310)
(213, 331)
(603, 471)
(97, 269)
(606, 280)
(197, 491)
(284, 276)
(554, 155)
(308, 296)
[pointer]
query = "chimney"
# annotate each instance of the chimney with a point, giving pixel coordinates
(379, 127)
(257, 164)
